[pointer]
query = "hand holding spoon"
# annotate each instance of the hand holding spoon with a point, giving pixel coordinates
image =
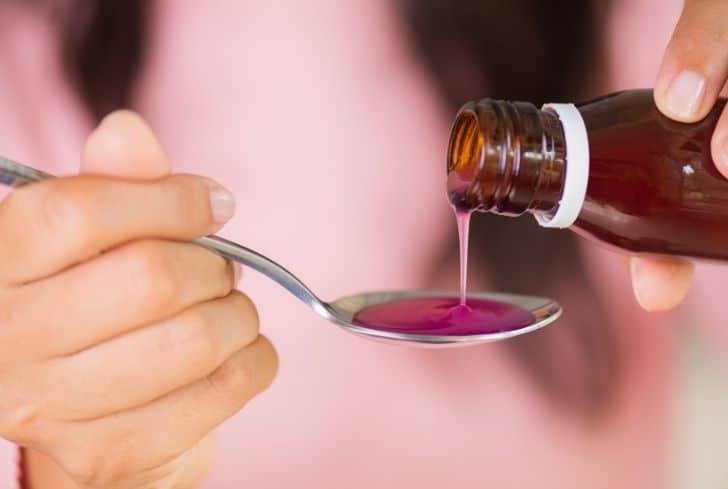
(415, 317)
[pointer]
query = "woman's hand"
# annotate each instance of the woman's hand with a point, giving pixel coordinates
(121, 345)
(694, 71)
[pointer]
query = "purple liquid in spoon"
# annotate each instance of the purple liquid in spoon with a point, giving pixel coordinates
(442, 316)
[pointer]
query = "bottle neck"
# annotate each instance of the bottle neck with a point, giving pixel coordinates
(507, 158)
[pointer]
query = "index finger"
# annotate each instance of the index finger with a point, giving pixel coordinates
(695, 65)
(54, 224)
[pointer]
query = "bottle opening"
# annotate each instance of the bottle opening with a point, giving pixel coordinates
(464, 155)
(506, 158)
(466, 141)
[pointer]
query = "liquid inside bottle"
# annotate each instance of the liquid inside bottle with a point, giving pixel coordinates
(615, 170)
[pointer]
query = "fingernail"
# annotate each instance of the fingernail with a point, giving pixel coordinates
(222, 203)
(685, 93)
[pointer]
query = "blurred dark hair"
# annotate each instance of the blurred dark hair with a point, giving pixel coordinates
(540, 52)
(102, 47)
(516, 49)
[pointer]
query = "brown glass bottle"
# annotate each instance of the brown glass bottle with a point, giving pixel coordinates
(614, 170)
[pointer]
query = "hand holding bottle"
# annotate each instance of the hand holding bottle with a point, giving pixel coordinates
(693, 74)
(123, 345)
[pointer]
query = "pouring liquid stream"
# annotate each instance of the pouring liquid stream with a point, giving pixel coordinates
(462, 216)
(446, 315)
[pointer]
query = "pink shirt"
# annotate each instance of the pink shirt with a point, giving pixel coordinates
(317, 116)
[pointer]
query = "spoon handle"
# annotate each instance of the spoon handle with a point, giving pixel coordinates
(239, 253)
(16, 175)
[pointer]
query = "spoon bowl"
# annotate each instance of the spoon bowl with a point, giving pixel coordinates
(343, 311)
(543, 310)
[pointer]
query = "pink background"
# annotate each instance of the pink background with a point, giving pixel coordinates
(331, 136)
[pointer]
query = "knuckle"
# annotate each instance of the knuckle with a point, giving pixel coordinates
(82, 469)
(26, 407)
(246, 373)
(272, 363)
(152, 273)
(92, 467)
(192, 196)
(20, 419)
(116, 458)
(231, 380)
(97, 458)
(66, 211)
(16, 203)
(246, 312)
(192, 338)
(227, 277)
(701, 24)
(222, 274)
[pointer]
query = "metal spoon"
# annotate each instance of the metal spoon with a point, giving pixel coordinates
(341, 311)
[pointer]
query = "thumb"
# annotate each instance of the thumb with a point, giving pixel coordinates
(124, 145)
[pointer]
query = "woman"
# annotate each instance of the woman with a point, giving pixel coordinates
(117, 366)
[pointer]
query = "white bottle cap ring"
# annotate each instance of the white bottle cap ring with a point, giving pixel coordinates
(577, 167)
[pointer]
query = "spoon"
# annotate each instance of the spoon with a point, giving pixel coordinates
(341, 311)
